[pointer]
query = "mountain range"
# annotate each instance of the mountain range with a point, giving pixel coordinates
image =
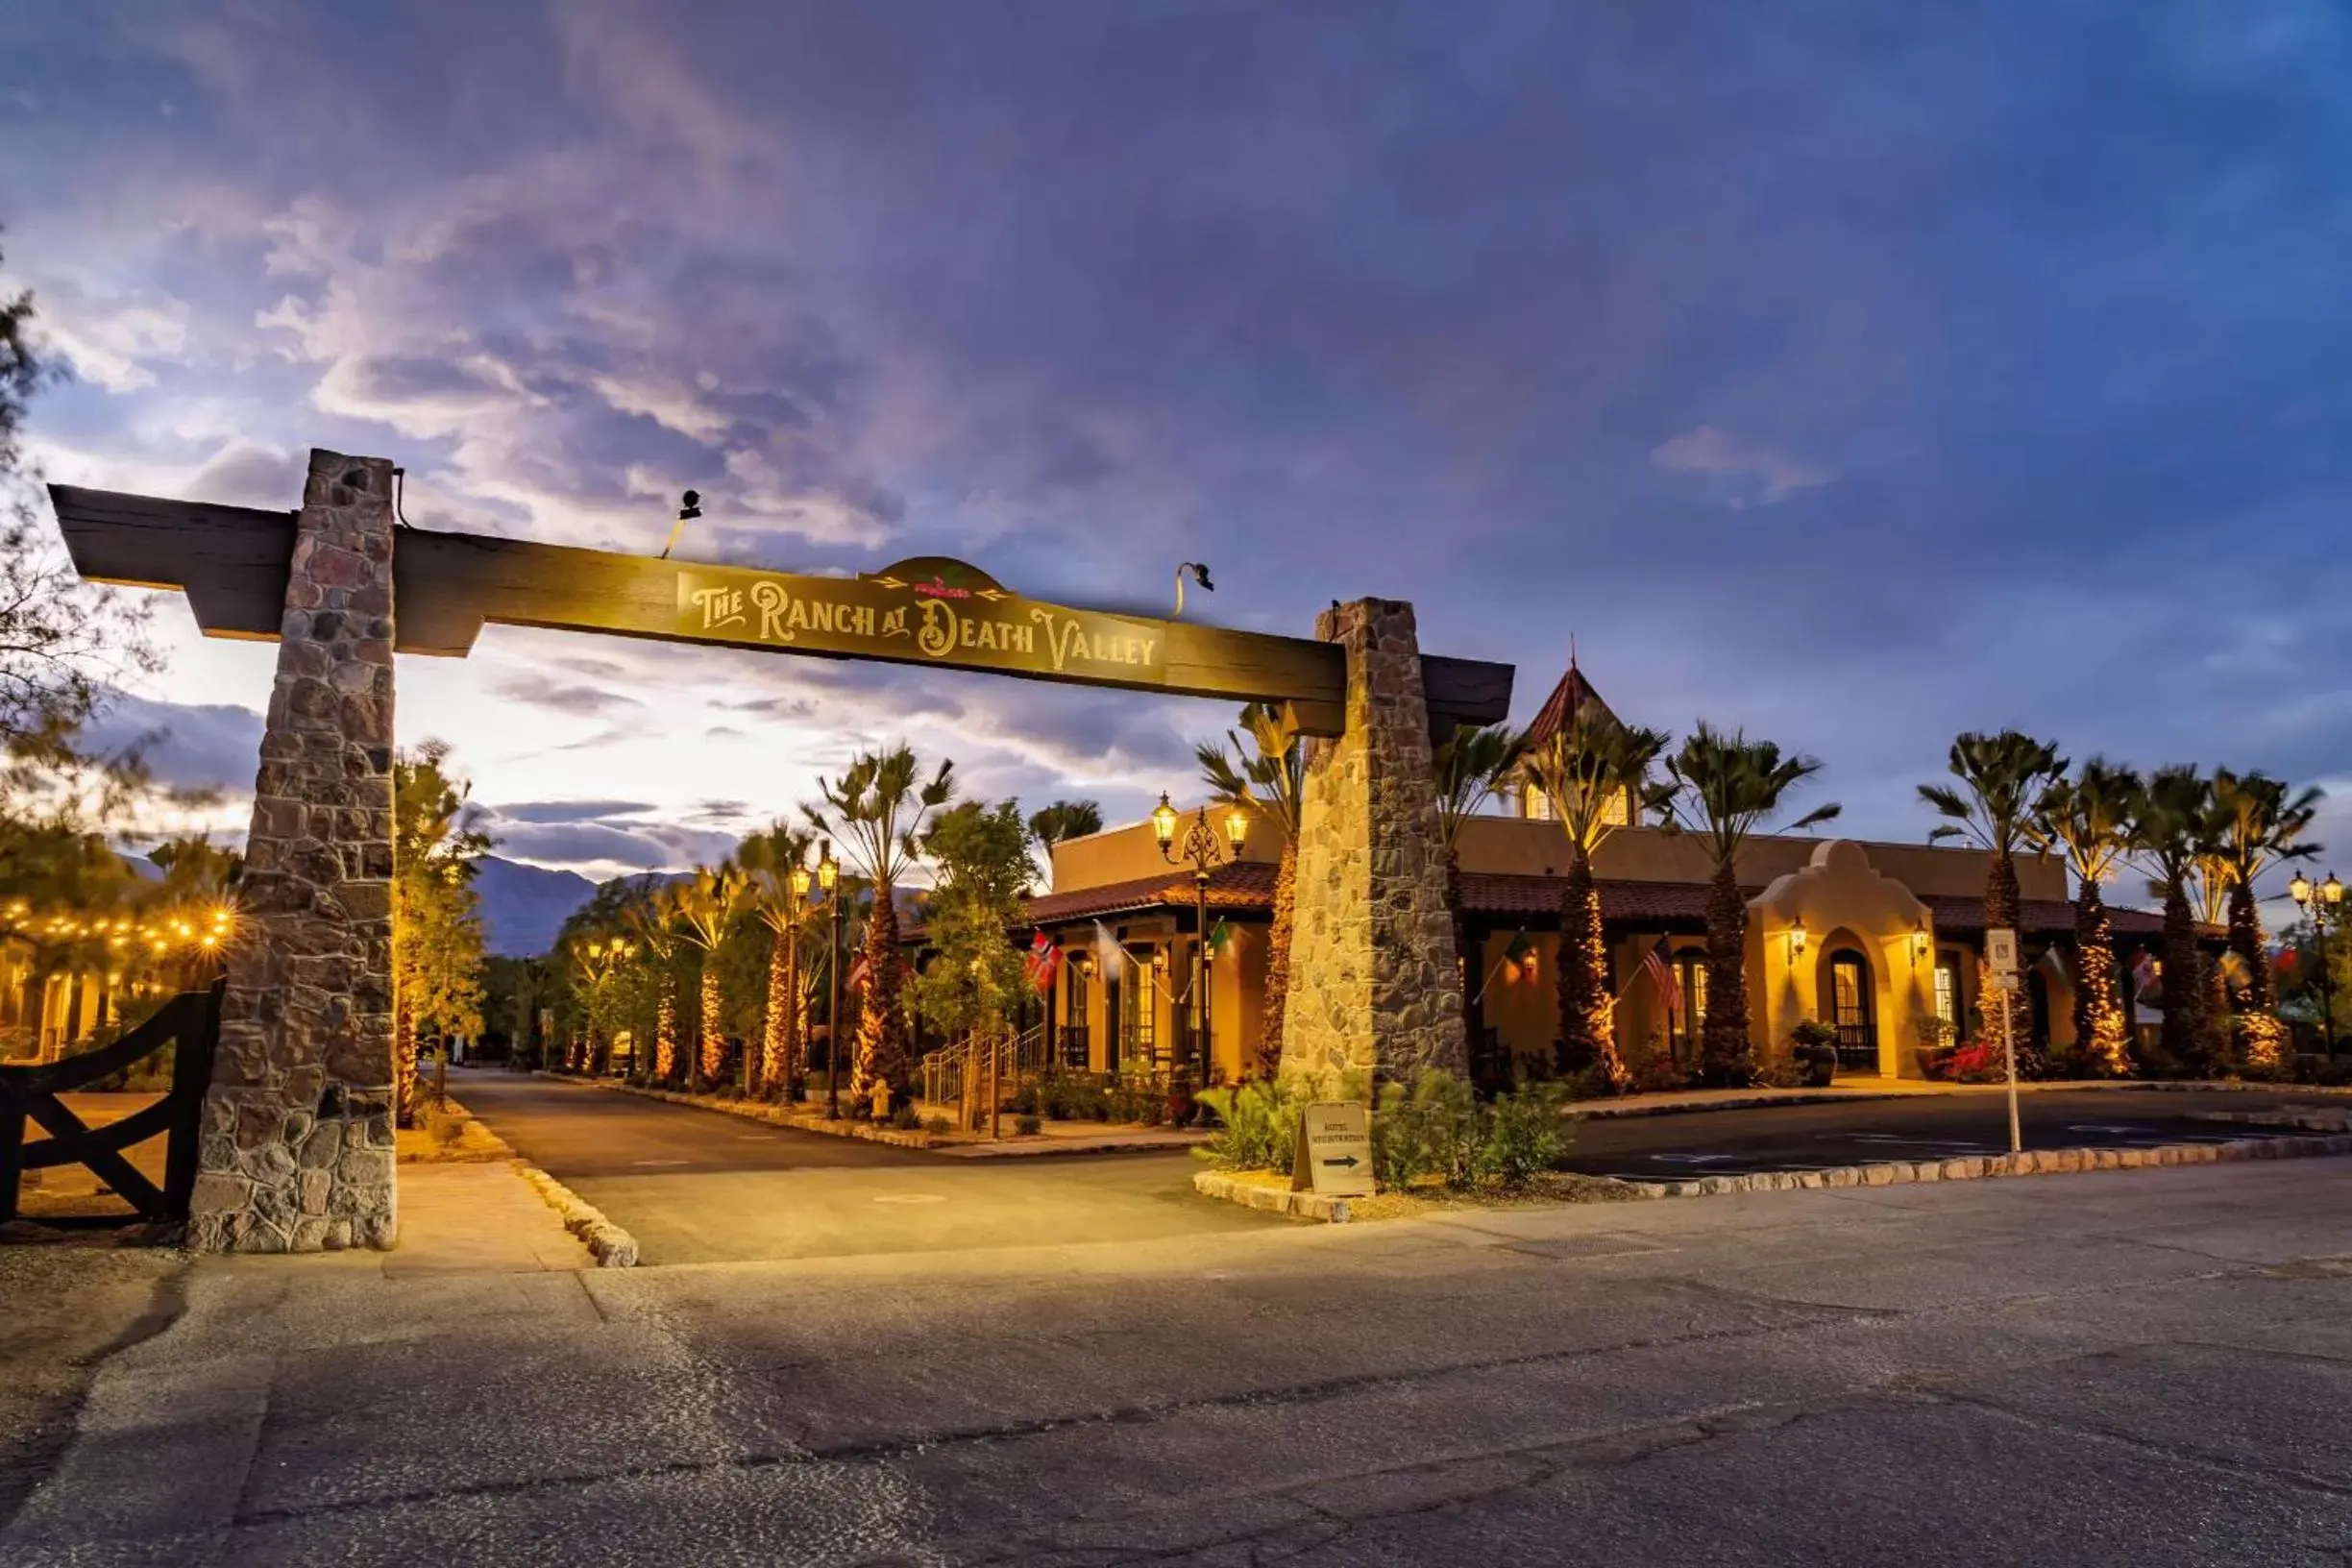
(523, 906)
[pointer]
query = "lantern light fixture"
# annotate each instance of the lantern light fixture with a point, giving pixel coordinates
(1164, 821)
(1796, 937)
(1918, 941)
(828, 869)
(1237, 826)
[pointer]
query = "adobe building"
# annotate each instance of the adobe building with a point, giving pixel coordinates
(1872, 938)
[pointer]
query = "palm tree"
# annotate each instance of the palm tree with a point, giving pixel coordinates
(1064, 819)
(768, 860)
(1470, 766)
(1595, 770)
(1720, 789)
(1270, 779)
(2173, 827)
(705, 909)
(2089, 818)
(876, 811)
(2259, 826)
(653, 920)
(2002, 777)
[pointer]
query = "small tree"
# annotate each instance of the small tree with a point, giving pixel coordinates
(436, 918)
(1269, 776)
(1596, 772)
(1721, 789)
(973, 984)
(878, 811)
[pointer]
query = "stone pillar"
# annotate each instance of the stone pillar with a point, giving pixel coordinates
(1373, 983)
(297, 1152)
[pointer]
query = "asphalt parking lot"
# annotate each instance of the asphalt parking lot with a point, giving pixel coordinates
(1848, 1133)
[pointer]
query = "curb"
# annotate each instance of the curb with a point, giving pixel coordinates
(608, 1243)
(1277, 1200)
(1890, 1174)
(774, 1115)
(1601, 1110)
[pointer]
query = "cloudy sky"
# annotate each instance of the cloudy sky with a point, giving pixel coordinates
(1854, 374)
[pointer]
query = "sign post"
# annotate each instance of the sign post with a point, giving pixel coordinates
(2002, 957)
(1335, 1151)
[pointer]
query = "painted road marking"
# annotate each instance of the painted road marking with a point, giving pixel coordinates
(910, 1197)
(661, 1162)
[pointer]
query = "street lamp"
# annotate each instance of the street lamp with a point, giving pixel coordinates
(2324, 904)
(1204, 854)
(828, 877)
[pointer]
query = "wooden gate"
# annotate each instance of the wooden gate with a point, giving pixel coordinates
(190, 1022)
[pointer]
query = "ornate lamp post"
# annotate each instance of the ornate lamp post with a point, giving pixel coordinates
(828, 877)
(1202, 851)
(2324, 904)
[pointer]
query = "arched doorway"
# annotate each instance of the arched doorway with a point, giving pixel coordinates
(1848, 1005)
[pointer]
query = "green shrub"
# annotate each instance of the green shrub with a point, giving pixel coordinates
(1257, 1125)
(937, 1126)
(1434, 1129)
(1526, 1133)
(1027, 1125)
(905, 1117)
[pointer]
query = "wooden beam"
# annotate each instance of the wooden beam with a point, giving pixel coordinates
(233, 562)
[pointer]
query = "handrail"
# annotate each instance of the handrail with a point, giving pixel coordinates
(68, 1073)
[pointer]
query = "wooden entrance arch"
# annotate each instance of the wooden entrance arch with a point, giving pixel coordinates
(296, 1152)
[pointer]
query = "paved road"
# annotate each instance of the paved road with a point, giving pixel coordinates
(2138, 1368)
(703, 1187)
(1926, 1127)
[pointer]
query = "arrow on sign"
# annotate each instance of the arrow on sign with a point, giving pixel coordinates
(1349, 1162)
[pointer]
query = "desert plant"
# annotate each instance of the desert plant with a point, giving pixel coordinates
(1526, 1132)
(2002, 778)
(1719, 790)
(2257, 826)
(2088, 819)
(1596, 772)
(2172, 827)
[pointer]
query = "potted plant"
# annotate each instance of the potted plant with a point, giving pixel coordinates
(1935, 1036)
(1813, 1049)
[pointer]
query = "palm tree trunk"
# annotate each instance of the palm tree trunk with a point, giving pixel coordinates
(1278, 961)
(1587, 1012)
(665, 1028)
(1726, 1059)
(403, 1064)
(2098, 1008)
(2262, 1036)
(2001, 903)
(881, 1038)
(714, 1038)
(781, 1069)
(2183, 1032)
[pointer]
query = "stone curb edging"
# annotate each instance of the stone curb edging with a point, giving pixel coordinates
(1890, 1174)
(2327, 1120)
(1277, 1200)
(1603, 1109)
(608, 1243)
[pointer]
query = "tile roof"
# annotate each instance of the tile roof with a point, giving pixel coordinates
(1567, 700)
(1247, 887)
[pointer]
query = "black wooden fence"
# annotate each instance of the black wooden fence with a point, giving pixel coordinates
(189, 1021)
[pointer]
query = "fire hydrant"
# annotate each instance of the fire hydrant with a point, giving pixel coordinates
(881, 1099)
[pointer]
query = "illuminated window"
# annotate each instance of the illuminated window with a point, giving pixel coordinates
(1137, 1016)
(1535, 805)
(1690, 974)
(1613, 810)
(1947, 991)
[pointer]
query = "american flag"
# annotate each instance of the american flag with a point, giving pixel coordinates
(1044, 958)
(1662, 977)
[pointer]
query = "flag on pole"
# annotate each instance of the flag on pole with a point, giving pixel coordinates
(2144, 974)
(1045, 958)
(1220, 936)
(1662, 978)
(861, 971)
(1108, 956)
(1519, 960)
